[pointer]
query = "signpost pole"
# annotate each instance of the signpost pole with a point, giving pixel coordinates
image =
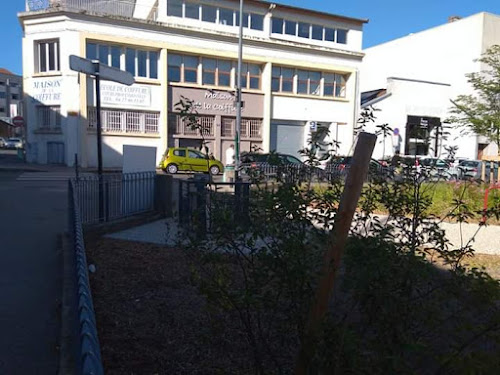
(99, 140)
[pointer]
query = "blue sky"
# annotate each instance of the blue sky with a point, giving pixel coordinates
(389, 19)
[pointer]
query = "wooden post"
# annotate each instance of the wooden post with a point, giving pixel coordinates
(335, 247)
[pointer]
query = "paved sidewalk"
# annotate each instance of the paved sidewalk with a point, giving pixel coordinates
(166, 232)
(32, 215)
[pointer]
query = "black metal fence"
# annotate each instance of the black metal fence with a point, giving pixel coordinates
(209, 208)
(123, 195)
(84, 330)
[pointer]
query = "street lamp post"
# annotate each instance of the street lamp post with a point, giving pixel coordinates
(238, 96)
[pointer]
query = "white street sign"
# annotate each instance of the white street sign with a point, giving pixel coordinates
(107, 73)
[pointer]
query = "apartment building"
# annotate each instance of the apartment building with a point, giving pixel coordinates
(10, 93)
(300, 72)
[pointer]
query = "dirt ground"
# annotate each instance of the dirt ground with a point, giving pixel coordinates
(151, 320)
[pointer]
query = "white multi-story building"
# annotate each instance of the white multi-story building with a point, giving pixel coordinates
(11, 92)
(411, 80)
(300, 68)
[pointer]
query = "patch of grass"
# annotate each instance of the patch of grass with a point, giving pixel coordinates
(490, 263)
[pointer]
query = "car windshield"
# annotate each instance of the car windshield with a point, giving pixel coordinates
(434, 163)
(292, 159)
(469, 163)
(15, 139)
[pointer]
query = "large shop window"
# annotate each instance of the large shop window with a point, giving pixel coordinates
(138, 62)
(125, 121)
(48, 117)
(308, 31)
(47, 56)
(213, 14)
(308, 82)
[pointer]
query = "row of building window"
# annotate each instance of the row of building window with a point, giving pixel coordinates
(9, 83)
(140, 63)
(230, 17)
(208, 71)
(214, 14)
(199, 70)
(308, 31)
(125, 121)
(297, 81)
(3, 95)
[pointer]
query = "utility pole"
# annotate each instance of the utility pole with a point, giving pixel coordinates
(238, 97)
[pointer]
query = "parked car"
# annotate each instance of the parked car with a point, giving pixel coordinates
(14, 143)
(437, 168)
(472, 169)
(2, 142)
(187, 159)
(338, 167)
(269, 165)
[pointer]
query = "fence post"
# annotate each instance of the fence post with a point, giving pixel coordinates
(107, 200)
(201, 206)
(245, 204)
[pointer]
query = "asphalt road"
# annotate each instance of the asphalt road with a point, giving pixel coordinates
(32, 214)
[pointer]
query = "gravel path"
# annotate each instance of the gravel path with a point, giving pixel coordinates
(165, 232)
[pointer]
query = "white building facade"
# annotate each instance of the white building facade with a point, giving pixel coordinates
(299, 67)
(420, 74)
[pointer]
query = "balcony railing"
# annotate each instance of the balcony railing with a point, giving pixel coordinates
(250, 128)
(124, 121)
(147, 9)
(180, 127)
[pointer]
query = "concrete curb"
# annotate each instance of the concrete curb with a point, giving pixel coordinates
(21, 169)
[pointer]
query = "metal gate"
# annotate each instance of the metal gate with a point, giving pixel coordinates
(55, 153)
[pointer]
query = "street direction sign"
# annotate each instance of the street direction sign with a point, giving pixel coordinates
(18, 121)
(105, 72)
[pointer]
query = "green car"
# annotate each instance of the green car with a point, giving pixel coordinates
(187, 159)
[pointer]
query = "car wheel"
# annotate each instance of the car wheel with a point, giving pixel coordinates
(214, 170)
(172, 168)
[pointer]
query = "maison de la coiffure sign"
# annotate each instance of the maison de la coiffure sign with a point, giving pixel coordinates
(47, 90)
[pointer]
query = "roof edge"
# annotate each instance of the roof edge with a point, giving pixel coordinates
(312, 11)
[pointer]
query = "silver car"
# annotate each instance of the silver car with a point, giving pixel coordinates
(14, 143)
(472, 169)
(2, 142)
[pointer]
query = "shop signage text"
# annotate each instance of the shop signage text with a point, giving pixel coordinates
(116, 94)
(47, 90)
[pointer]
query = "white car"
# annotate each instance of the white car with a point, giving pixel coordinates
(2, 142)
(14, 143)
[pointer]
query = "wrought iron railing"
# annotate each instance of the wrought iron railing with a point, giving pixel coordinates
(121, 8)
(123, 195)
(125, 121)
(84, 330)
